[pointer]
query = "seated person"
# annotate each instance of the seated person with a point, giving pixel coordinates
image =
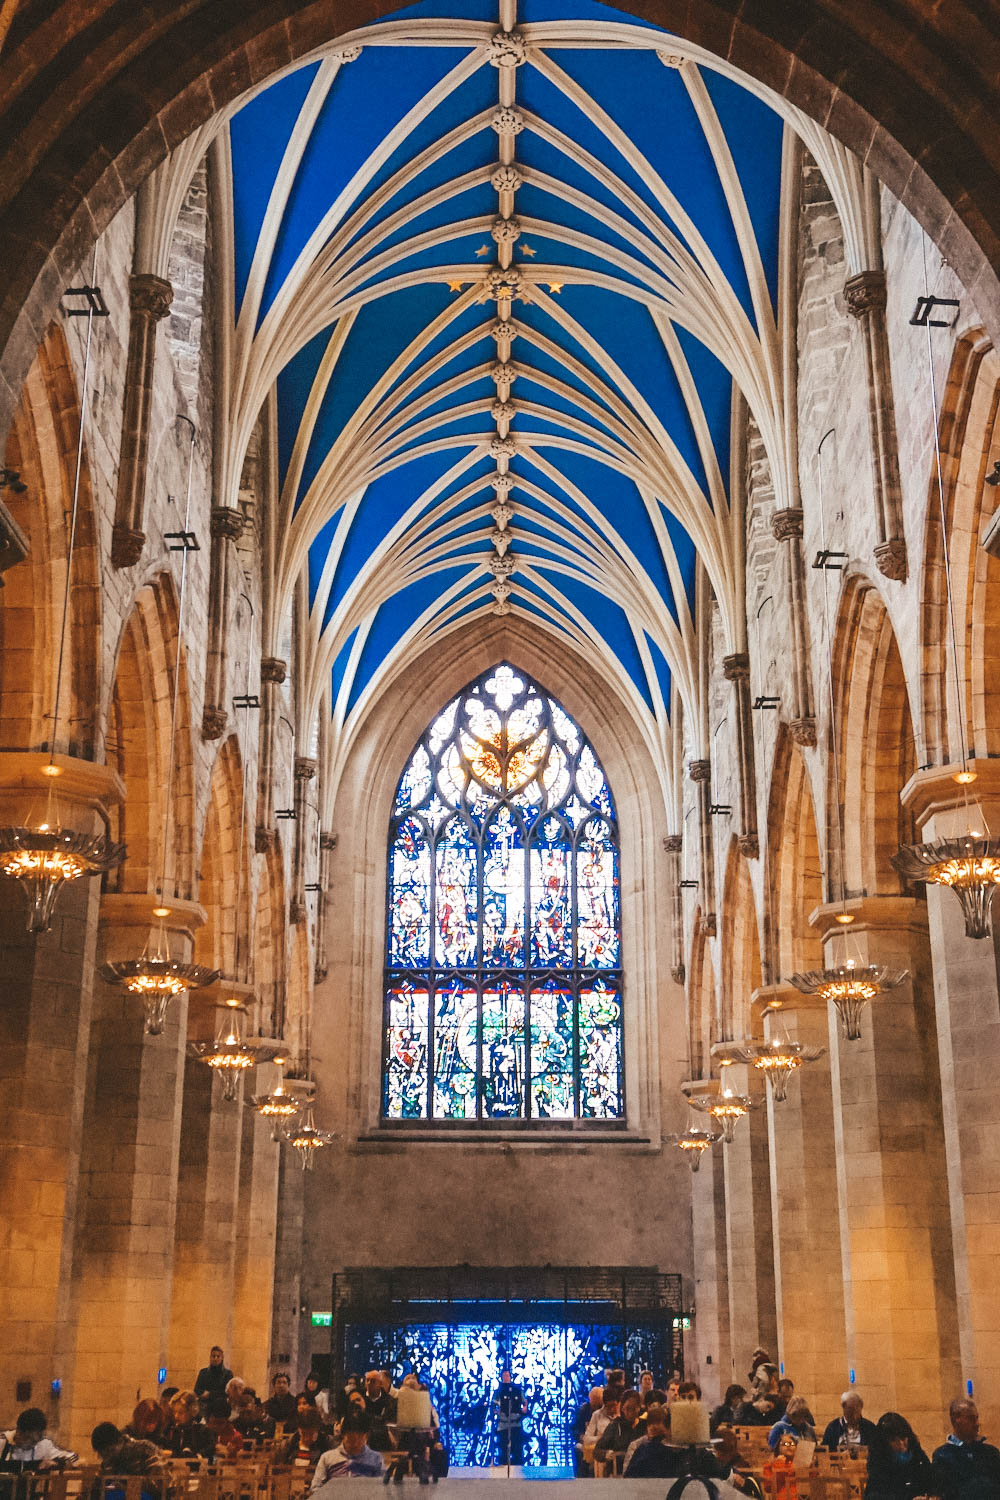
(251, 1419)
(898, 1468)
(228, 1438)
(651, 1457)
(234, 1394)
(121, 1454)
(620, 1433)
(26, 1448)
(593, 1404)
(733, 1466)
(646, 1386)
(763, 1406)
(380, 1405)
(188, 1436)
(786, 1389)
(851, 1429)
(352, 1457)
(281, 1403)
(306, 1445)
(320, 1398)
(148, 1421)
(797, 1421)
(689, 1390)
(602, 1418)
(726, 1414)
(965, 1467)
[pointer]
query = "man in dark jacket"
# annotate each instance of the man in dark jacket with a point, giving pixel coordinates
(282, 1406)
(213, 1379)
(851, 1430)
(121, 1454)
(621, 1433)
(966, 1467)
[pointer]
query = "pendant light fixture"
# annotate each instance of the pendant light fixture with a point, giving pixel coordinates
(694, 1142)
(777, 1057)
(307, 1140)
(969, 863)
(279, 1105)
(851, 984)
(155, 976)
(726, 1108)
(43, 855)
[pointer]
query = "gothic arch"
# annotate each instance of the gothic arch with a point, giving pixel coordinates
(223, 874)
(138, 746)
(350, 1017)
(793, 872)
(877, 755)
(42, 448)
(739, 947)
(969, 439)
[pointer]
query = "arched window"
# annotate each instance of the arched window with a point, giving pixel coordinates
(503, 948)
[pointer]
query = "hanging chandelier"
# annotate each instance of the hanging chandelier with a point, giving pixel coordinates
(778, 1060)
(156, 978)
(725, 1108)
(849, 987)
(307, 1140)
(44, 856)
(229, 1054)
(694, 1142)
(969, 865)
(278, 1105)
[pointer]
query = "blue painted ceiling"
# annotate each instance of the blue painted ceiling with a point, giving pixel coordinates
(363, 205)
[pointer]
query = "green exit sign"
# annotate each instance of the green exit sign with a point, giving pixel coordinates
(322, 1320)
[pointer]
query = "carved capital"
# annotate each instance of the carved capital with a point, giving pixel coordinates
(865, 293)
(803, 732)
(501, 567)
(503, 372)
(736, 668)
(700, 770)
(506, 178)
(786, 523)
(149, 296)
(328, 841)
(506, 49)
(265, 839)
(891, 560)
(226, 521)
(749, 845)
(677, 973)
(305, 768)
(504, 328)
(709, 924)
(507, 121)
(213, 723)
(502, 447)
(126, 545)
(673, 843)
(273, 669)
(506, 231)
(296, 912)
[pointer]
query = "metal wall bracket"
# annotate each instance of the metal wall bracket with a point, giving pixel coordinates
(93, 299)
(181, 541)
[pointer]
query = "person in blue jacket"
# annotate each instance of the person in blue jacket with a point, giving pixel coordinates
(966, 1467)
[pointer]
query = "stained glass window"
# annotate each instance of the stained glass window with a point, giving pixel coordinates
(503, 963)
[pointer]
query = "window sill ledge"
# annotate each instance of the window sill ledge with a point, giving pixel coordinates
(393, 1140)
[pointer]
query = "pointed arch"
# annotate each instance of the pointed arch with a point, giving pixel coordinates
(969, 440)
(138, 746)
(740, 946)
(877, 753)
(42, 448)
(794, 870)
(223, 873)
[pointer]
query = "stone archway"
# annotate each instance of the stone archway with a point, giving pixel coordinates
(93, 99)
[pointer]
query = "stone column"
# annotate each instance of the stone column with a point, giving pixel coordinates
(46, 997)
(808, 1270)
(902, 1332)
(327, 844)
(749, 1237)
(149, 301)
(713, 1359)
(736, 669)
(273, 672)
(255, 1242)
(288, 1332)
(786, 525)
(226, 527)
(700, 772)
(866, 298)
(305, 770)
(128, 1204)
(202, 1300)
(967, 1005)
(673, 846)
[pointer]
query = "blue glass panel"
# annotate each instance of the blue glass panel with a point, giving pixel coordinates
(600, 1052)
(406, 1054)
(455, 1032)
(503, 892)
(598, 940)
(549, 865)
(503, 1052)
(409, 897)
(552, 1083)
(456, 898)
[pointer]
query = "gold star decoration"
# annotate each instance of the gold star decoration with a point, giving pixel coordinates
(483, 250)
(455, 286)
(555, 286)
(528, 250)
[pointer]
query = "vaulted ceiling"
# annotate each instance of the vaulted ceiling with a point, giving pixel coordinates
(503, 273)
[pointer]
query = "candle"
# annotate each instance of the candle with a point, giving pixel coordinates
(688, 1422)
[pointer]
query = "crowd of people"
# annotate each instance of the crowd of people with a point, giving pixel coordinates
(356, 1431)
